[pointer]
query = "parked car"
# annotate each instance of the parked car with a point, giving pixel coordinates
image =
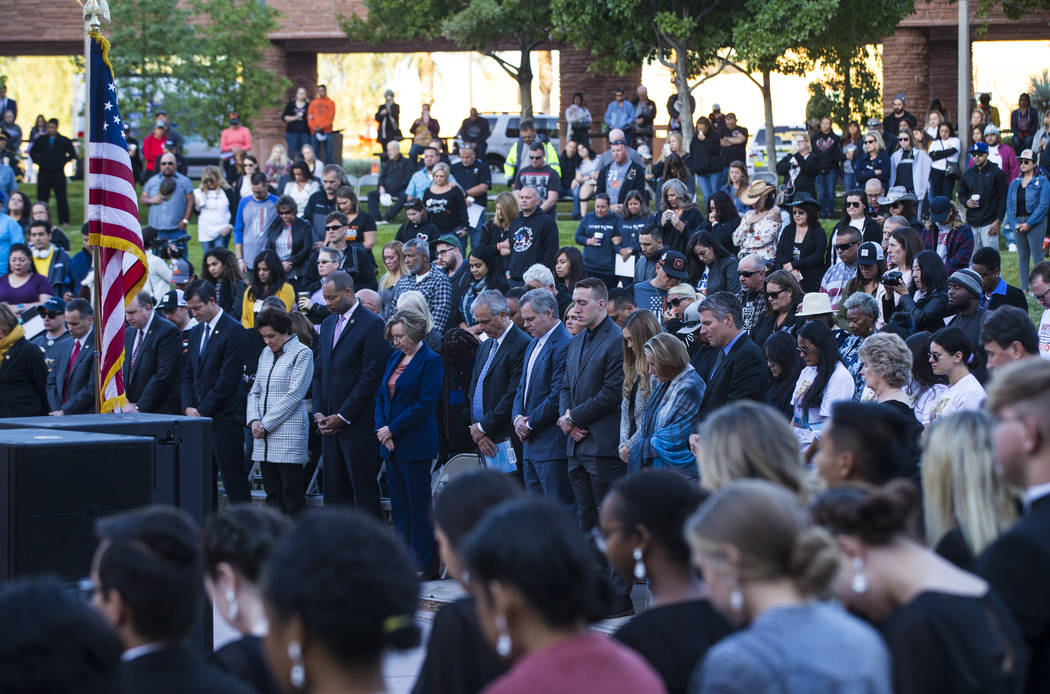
(504, 132)
(756, 148)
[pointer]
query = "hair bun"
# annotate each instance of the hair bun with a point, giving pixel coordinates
(814, 561)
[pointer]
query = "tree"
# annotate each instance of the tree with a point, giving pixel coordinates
(227, 67)
(684, 37)
(850, 89)
(484, 26)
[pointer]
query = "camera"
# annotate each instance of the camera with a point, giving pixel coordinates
(893, 277)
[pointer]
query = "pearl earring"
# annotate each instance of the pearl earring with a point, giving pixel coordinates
(639, 565)
(860, 581)
(297, 673)
(503, 643)
(231, 598)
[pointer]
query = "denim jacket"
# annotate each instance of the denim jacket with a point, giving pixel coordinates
(1036, 201)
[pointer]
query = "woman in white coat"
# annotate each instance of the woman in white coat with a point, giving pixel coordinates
(910, 167)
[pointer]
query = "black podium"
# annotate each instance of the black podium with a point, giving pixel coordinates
(183, 475)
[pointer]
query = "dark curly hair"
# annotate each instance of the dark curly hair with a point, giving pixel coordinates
(661, 500)
(243, 536)
(349, 581)
(874, 514)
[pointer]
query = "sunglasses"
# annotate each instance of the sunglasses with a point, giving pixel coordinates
(772, 296)
(333, 227)
(52, 314)
(749, 273)
(675, 302)
(285, 212)
(869, 142)
(854, 204)
(535, 158)
(845, 246)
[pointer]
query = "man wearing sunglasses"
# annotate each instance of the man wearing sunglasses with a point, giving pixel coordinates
(846, 242)
(752, 294)
(540, 176)
(55, 335)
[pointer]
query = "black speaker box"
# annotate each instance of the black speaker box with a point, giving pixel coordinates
(183, 471)
(54, 485)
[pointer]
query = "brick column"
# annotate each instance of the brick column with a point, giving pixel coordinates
(301, 71)
(906, 70)
(597, 89)
(944, 76)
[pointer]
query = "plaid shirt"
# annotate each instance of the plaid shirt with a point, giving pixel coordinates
(436, 288)
(835, 281)
(754, 305)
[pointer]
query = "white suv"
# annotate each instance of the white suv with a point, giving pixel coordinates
(503, 133)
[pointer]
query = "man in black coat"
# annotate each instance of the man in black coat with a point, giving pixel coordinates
(212, 377)
(51, 153)
(497, 370)
(349, 362)
(146, 581)
(71, 383)
(987, 263)
(620, 177)
(590, 401)
(152, 351)
(1017, 564)
(739, 371)
(394, 176)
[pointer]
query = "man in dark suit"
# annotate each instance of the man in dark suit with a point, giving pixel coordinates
(497, 370)
(154, 615)
(152, 350)
(349, 361)
(590, 401)
(51, 153)
(71, 383)
(535, 412)
(212, 376)
(1017, 564)
(739, 371)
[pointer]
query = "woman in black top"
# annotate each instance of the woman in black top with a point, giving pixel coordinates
(679, 217)
(446, 205)
(221, 269)
(723, 218)
(296, 129)
(23, 372)
(784, 296)
(800, 250)
(634, 217)
(712, 268)
(640, 527)
(236, 544)
(784, 365)
(927, 299)
(495, 233)
(458, 659)
(360, 226)
(800, 168)
(828, 148)
(705, 157)
(946, 629)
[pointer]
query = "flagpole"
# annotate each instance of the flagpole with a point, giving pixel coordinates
(95, 11)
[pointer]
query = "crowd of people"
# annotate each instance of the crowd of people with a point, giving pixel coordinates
(613, 390)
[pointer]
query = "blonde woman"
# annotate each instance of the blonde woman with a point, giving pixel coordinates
(729, 450)
(967, 504)
(277, 165)
(638, 329)
(415, 302)
(394, 261)
(496, 233)
(214, 202)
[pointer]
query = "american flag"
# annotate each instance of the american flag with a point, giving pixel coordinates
(113, 222)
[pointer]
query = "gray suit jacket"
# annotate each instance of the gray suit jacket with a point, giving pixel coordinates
(591, 390)
(77, 396)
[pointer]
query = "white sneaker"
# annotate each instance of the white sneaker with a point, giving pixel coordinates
(1012, 248)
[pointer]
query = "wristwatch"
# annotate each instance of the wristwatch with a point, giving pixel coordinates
(568, 418)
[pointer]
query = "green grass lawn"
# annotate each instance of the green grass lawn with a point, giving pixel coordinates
(566, 235)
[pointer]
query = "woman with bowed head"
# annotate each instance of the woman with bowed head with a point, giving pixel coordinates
(784, 296)
(800, 250)
(407, 431)
(767, 568)
(950, 356)
(886, 369)
(23, 371)
(635, 217)
(301, 187)
(414, 301)
(277, 415)
(394, 262)
(458, 659)
(760, 226)
(729, 450)
(723, 218)
(705, 157)
(947, 631)
(928, 305)
(339, 592)
(784, 365)
(712, 267)
(568, 267)
(445, 202)
(638, 383)
(496, 232)
(823, 382)
(584, 179)
(679, 216)
(966, 504)
(671, 411)
(267, 280)
(537, 588)
(925, 387)
(237, 543)
(641, 525)
(483, 266)
(221, 269)
(360, 226)
(737, 184)
(873, 162)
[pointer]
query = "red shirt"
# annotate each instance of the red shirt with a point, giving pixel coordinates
(152, 147)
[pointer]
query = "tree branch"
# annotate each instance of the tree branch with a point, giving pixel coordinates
(722, 66)
(510, 68)
(742, 69)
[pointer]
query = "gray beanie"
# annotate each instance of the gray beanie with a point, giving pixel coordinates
(969, 279)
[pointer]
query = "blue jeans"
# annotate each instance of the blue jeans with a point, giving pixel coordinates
(849, 181)
(549, 478)
(220, 242)
(708, 184)
(414, 151)
(1029, 250)
(323, 146)
(295, 142)
(475, 233)
(410, 504)
(826, 191)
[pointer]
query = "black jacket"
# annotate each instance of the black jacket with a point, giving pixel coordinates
(395, 175)
(356, 262)
(929, 312)
(828, 148)
(176, 670)
(348, 374)
(990, 183)
(635, 180)
(533, 239)
(806, 180)
(23, 381)
(211, 382)
(52, 157)
(742, 375)
(501, 382)
(811, 255)
(302, 244)
(704, 155)
(151, 382)
(1013, 297)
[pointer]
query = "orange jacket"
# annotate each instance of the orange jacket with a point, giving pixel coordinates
(320, 115)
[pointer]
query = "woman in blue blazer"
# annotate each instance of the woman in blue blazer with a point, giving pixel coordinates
(407, 431)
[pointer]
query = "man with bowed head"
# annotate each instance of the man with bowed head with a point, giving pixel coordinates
(739, 372)
(431, 282)
(152, 350)
(533, 236)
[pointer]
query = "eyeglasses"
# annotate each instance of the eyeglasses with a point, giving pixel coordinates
(805, 350)
(797, 211)
(855, 203)
(333, 227)
(322, 261)
(1040, 297)
(845, 246)
(749, 273)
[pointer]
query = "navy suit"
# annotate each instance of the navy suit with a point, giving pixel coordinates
(409, 413)
(545, 461)
(346, 376)
(212, 383)
(497, 392)
(73, 392)
(742, 375)
(150, 375)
